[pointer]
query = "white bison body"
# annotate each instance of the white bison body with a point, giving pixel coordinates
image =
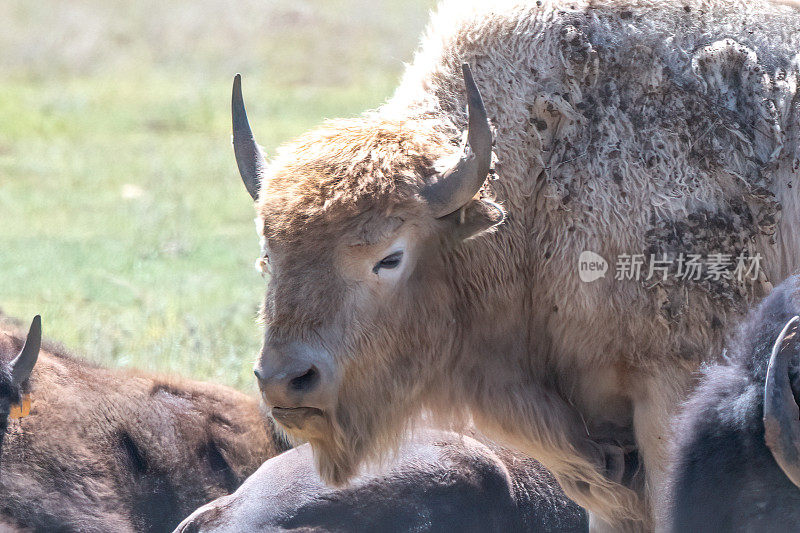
(666, 129)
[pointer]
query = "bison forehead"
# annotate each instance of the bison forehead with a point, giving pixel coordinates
(348, 167)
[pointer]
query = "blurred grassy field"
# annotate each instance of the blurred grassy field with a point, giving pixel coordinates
(122, 217)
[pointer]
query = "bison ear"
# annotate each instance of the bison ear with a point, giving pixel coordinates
(473, 219)
(22, 365)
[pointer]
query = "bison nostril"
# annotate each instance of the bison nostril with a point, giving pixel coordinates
(305, 381)
(257, 372)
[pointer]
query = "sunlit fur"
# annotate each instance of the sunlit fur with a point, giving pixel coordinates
(620, 128)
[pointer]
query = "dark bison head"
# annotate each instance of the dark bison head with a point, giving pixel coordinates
(14, 374)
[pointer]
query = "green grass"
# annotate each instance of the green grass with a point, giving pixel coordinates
(122, 217)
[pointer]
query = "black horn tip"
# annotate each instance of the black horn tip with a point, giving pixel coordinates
(237, 86)
(35, 331)
(474, 98)
(469, 81)
(238, 112)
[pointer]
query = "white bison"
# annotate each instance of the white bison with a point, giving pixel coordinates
(660, 135)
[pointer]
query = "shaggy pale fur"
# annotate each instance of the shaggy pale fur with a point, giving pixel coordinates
(119, 451)
(650, 127)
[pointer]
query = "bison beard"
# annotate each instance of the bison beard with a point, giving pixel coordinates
(619, 129)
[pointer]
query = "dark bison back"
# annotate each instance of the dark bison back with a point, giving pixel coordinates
(723, 475)
(439, 482)
(107, 450)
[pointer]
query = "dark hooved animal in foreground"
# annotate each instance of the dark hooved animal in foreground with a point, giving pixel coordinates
(440, 481)
(107, 450)
(403, 278)
(736, 463)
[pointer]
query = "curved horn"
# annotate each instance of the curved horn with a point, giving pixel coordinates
(22, 365)
(459, 184)
(249, 158)
(781, 414)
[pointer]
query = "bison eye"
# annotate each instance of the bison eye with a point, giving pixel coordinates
(388, 262)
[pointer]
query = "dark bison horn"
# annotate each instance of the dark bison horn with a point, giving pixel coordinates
(459, 184)
(22, 365)
(249, 158)
(781, 414)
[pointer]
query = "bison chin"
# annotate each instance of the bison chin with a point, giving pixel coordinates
(360, 433)
(336, 461)
(338, 448)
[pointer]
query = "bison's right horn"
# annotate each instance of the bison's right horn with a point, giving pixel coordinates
(249, 158)
(459, 184)
(781, 414)
(22, 365)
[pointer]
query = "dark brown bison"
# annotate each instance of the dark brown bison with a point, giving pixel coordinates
(439, 481)
(656, 130)
(104, 450)
(736, 464)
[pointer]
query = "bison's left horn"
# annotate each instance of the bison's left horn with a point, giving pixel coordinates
(781, 415)
(22, 365)
(459, 184)
(249, 158)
